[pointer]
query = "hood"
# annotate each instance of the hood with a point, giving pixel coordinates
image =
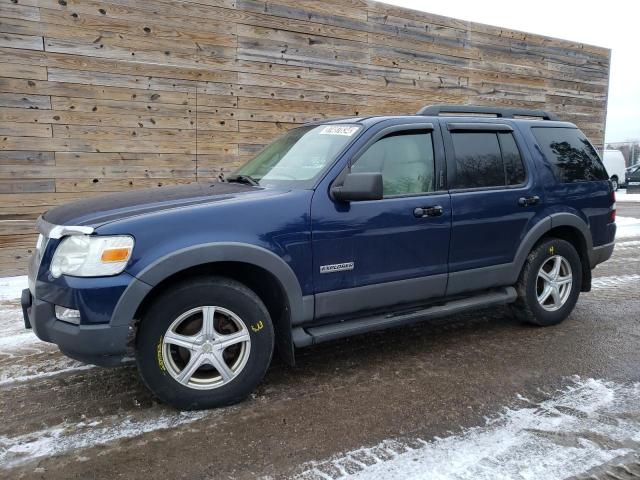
(106, 208)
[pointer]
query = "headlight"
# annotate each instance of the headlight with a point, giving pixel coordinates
(91, 256)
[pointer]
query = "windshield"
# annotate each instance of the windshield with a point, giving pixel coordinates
(299, 156)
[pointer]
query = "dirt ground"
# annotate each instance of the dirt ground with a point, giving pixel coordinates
(63, 420)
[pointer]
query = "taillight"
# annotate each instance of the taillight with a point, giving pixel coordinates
(612, 215)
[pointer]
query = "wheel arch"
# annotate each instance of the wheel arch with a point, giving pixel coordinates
(568, 227)
(261, 270)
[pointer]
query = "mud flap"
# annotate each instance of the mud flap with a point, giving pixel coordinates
(284, 342)
(586, 278)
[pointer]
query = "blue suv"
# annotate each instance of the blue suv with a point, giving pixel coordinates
(336, 228)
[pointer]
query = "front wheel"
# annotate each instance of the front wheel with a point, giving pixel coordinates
(204, 343)
(549, 284)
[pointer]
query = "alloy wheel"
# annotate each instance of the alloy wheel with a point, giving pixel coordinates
(206, 347)
(554, 282)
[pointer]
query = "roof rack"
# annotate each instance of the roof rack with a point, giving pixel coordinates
(436, 110)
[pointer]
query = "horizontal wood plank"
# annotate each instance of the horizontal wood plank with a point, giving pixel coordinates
(109, 95)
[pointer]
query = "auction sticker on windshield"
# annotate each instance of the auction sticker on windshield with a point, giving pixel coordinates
(347, 130)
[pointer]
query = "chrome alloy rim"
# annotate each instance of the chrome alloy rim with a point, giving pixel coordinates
(553, 285)
(206, 347)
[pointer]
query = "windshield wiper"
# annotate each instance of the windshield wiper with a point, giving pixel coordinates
(248, 179)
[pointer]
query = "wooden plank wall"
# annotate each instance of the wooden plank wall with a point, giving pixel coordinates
(101, 96)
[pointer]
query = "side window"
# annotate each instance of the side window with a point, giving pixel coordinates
(478, 160)
(571, 156)
(405, 159)
(513, 167)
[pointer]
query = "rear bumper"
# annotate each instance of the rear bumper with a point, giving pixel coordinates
(99, 344)
(601, 254)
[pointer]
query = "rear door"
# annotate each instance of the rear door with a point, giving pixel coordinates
(493, 201)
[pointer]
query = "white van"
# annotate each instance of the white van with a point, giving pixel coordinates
(615, 165)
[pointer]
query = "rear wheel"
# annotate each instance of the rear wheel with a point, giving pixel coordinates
(549, 284)
(205, 343)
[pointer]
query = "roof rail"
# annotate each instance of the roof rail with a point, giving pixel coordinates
(436, 110)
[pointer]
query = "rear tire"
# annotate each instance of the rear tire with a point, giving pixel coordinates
(204, 343)
(549, 284)
(615, 184)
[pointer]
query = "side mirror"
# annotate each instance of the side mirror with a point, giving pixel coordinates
(359, 186)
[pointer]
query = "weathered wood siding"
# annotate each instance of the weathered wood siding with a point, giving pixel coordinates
(100, 96)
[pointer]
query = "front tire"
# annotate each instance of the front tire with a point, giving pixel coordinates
(204, 343)
(549, 284)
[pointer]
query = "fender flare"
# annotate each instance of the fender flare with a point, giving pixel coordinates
(571, 220)
(545, 225)
(193, 256)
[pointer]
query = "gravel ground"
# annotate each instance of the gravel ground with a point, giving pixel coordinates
(476, 396)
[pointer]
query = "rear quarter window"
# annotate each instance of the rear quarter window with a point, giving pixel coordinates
(570, 155)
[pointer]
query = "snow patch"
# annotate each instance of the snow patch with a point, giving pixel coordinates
(10, 377)
(627, 227)
(626, 245)
(614, 281)
(63, 438)
(13, 335)
(583, 426)
(623, 196)
(18, 340)
(626, 221)
(11, 287)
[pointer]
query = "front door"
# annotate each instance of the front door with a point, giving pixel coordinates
(393, 251)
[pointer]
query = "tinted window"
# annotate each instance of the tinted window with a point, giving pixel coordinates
(513, 167)
(478, 160)
(405, 160)
(571, 156)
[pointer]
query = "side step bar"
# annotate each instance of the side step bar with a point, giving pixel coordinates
(303, 337)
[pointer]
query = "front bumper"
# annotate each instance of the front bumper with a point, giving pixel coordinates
(99, 344)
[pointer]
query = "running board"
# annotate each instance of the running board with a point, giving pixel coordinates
(303, 337)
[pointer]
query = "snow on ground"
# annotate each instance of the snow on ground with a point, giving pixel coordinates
(13, 335)
(627, 227)
(29, 358)
(587, 424)
(627, 245)
(614, 281)
(12, 376)
(11, 320)
(67, 437)
(623, 196)
(623, 222)
(11, 287)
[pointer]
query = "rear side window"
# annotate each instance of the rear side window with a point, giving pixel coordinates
(513, 167)
(571, 156)
(486, 159)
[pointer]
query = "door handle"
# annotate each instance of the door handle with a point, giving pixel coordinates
(528, 201)
(433, 211)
